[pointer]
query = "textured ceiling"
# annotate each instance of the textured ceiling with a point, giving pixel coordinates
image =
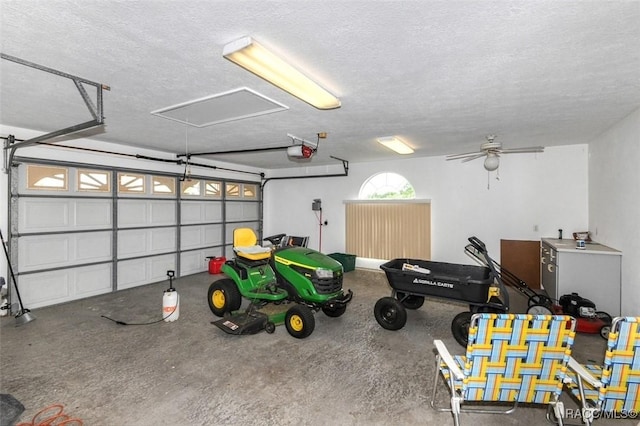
(441, 75)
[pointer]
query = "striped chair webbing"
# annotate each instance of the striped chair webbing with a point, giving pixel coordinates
(620, 372)
(517, 357)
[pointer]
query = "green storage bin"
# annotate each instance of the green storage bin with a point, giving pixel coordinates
(348, 260)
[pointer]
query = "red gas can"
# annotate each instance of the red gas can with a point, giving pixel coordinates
(215, 264)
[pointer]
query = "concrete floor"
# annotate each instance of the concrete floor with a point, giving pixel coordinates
(350, 371)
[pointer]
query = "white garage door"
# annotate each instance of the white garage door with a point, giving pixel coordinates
(79, 231)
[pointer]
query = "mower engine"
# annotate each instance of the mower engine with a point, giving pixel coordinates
(577, 306)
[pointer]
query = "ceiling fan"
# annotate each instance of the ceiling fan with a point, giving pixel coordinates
(492, 151)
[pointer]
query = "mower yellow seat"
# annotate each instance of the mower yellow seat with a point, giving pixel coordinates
(245, 245)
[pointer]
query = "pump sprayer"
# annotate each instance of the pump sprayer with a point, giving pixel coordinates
(170, 301)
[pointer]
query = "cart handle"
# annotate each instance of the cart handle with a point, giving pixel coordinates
(479, 245)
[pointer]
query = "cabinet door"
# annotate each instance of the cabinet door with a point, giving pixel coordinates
(522, 258)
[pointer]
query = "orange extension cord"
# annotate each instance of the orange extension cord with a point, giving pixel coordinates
(52, 415)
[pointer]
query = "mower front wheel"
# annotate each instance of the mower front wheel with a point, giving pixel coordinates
(299, 321)
(390, 313)
(223, 297)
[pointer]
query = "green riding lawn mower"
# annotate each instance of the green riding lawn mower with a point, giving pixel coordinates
(284, 284)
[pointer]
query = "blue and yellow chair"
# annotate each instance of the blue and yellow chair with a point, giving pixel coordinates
(510, 358)
(610, 390)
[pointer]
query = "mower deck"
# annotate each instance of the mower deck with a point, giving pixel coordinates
(252, 321)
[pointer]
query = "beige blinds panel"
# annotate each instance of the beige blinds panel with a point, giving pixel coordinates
(389, 230)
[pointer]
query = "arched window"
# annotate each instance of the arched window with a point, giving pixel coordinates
(386, 185)
(387, 221)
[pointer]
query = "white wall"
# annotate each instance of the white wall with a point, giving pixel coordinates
(614, 202)
(547, 189)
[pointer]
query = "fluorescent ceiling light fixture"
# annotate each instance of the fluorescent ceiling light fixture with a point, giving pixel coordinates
(396, 145)
(253, 57)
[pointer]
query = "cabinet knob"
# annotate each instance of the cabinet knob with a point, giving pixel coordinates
(543, 260)
(550, 268)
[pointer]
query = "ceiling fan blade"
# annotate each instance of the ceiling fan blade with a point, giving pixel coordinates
(523, 150)
(466, 154)
(473, 157)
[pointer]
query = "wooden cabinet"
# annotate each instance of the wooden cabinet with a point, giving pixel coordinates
(594, 272)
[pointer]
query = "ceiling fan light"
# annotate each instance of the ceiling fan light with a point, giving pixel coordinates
(492, 162)
(396, 145)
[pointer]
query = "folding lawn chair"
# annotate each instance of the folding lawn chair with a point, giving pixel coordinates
(510, 358)
(610, 390)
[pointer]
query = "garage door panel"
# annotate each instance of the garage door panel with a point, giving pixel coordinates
(143, 242)
(132, 213)
(136, 272)
(242, 211)
(162, 213)
(212, 234)
(42, 252)
(162, 240)
(93, 213)
(49, 288)
(190, 237)
(37, 215)
(132, 243)
(54, 251)
(45, 289)
(92, 247)
(191, 212)
(213, 211)
(93, 280)
(193, 262)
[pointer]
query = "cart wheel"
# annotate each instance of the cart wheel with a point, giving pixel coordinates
(604, 331)
(410, 301)
(538, 309)
(604, 317)
(539, 299)
(223, 296)
(390, 313)
(269, 327)
(334, 312)
(460, 327)
(299, 321)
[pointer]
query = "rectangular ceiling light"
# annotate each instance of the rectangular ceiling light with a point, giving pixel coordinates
(253, 57)
(396, 145)
(236, 104)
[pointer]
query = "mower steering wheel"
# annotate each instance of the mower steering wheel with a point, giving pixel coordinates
(275, 239)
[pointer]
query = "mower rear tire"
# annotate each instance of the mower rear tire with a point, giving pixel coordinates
(460, 327)
(223, 297)
(390, 313)
(334, 312)
(410, 301)
(299, 321)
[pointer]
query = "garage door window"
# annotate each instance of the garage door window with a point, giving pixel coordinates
(212, 189)
(47, 177)
(190, 188)
(130, 183)
(164, 185)
(94, 181)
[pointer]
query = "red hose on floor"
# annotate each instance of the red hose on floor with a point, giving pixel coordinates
(52, 415)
